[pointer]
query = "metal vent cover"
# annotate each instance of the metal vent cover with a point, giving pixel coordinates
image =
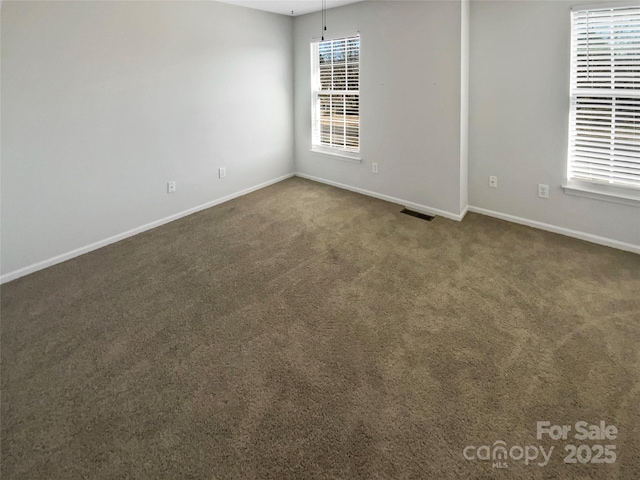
(422, 216)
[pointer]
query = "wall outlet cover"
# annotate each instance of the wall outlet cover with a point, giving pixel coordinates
(543, 190)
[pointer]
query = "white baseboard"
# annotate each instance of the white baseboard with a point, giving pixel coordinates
(608, 242)
(130, 233)
(413, 206)
(464, 212)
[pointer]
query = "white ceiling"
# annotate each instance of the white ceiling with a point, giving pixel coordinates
(285, 7)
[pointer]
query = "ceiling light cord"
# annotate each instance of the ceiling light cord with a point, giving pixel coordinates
(324, 17)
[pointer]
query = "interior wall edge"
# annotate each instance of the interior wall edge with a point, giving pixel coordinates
(412, 205)
(605, 241)
(21, 272)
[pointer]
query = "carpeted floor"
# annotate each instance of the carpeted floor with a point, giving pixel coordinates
(306, 332)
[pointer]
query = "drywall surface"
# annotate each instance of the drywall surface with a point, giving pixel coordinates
(103, 103)
(464, 104)
(519, 114)
(409, 100)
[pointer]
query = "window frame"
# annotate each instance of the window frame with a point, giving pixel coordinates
(317, 147)
(576, 184)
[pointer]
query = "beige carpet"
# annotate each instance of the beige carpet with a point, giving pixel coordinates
(305, 332)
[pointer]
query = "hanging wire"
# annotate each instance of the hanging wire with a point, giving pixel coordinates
(325, 15)
(324, 26)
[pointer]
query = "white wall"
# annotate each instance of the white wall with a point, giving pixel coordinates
(519, 111)
(464, 102)
(409, 100)
(104, 102)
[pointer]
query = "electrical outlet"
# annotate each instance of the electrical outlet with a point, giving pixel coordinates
(171, 187)
(493, 181)
(543, 190)
(222, 172)
(374, 167)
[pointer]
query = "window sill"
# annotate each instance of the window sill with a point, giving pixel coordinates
(605, 193)
(344, 156)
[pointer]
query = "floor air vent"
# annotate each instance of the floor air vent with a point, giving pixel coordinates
(423, 216)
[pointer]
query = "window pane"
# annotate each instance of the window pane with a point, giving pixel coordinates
(340, 77)
(325, 77)
(324, 50)
(353, 49)
(353, 77)
(339, 54)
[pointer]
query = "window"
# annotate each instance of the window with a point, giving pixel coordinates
(335, 84)
(604, 130)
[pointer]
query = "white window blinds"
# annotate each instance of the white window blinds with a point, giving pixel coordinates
(335, 79)
(604, 137)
